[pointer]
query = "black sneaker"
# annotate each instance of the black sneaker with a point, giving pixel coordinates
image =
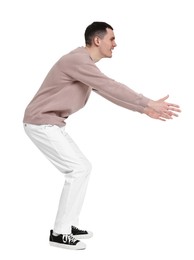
(66, 241)
(80, 234)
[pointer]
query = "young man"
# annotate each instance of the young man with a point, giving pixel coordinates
(64, 91)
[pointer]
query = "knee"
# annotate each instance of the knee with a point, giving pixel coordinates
(85, 167)
(80, 169)
(89, 167)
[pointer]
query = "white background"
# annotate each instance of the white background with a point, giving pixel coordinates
(140, 198)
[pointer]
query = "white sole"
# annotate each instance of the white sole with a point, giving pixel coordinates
(79, 246)
(83, 236)
(89, 235)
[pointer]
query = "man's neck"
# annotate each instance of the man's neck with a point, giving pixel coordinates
(94, 54)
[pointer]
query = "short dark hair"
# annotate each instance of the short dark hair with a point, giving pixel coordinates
(96, 29)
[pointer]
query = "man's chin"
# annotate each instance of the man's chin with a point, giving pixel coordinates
(109, 56)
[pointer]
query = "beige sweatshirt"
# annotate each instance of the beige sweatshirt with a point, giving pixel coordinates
(67, 88)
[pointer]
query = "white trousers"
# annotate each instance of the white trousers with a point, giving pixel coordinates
(60, 149)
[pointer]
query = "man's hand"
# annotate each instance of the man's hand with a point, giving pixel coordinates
(155, 115)
(161, 109)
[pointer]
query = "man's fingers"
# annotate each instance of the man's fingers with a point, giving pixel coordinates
(162, 119)
(164, 98)
(171, 105)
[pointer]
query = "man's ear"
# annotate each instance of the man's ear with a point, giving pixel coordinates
(96, 40)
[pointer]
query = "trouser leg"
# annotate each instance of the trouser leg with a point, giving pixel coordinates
(62, 151)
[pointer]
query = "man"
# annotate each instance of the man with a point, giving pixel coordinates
(64, 91)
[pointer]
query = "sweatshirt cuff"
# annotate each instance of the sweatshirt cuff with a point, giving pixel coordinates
(144, 101)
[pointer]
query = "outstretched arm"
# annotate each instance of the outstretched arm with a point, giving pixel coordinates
(155, 109)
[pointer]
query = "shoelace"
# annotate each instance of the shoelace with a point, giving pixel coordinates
(69, 239)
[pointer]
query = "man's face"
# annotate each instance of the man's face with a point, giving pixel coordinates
(107, 44)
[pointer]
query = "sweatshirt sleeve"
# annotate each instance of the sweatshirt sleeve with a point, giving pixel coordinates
(83, 69)
(137, 108)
